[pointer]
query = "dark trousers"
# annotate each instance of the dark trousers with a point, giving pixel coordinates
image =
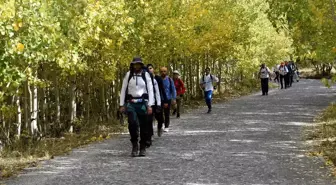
(159, 118)
(165, 116)
(264, 86)
(282, 78)
(277, 75)
(286, 80)
(137, 122)
(291, 79)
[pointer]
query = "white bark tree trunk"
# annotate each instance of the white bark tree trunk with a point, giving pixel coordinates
(19, 116)
(72, 103)
(34, 108)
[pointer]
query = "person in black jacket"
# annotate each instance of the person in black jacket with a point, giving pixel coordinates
(157, 109)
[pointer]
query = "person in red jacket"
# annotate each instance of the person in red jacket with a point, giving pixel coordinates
(180, 90)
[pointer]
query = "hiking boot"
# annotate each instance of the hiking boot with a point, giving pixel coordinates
(178, 115)
(142, 151)
(135, 149)
(159, 132)
(209, 111)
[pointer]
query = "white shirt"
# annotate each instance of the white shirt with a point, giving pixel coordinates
(157, 93)
(283, 70)
(264, 72)
(208, 83)
(137, 88)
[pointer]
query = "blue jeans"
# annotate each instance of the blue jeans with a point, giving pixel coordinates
(208, 98)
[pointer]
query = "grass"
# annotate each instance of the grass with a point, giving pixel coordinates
(28, 153)
(324, 136)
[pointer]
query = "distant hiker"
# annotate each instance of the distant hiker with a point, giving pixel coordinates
(157, 108)
(206, 84)
(169, 98)
(288, 77)
(276, 73)
(157, 105)
(264, 74)
(296, 73)
(283, 71)
(180, 90)
(137, 99)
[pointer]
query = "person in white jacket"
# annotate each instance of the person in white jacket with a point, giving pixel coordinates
(264, 74)
(137, 99)
(283, 72)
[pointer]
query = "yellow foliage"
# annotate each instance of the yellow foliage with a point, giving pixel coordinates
(20, 47)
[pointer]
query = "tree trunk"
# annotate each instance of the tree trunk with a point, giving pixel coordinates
(19, 116)
(72, 103)
(58, 105)
(33, 110)
(26, 105)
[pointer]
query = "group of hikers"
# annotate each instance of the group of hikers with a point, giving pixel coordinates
(145, 96)
(284, 74)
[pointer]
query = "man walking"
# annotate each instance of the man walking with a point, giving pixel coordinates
(264, 74)
(180, 90)
(169, 98)
(206, 83)
(137, 99)
(157, 109)
(283, 72)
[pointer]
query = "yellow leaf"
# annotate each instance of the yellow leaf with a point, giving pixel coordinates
(20, 47)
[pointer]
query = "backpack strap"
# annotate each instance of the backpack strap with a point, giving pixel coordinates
(131, 74)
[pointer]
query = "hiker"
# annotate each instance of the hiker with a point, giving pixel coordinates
(264, 74)
(206, 84)
(137, 99)
(180, 90)
(169, 98)
(283, 72)
(157, 107)
(276, 73)
(288, 75)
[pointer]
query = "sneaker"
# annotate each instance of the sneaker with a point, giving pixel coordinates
(166, 130)
(159, 132)
(135, 150)
(142, 151)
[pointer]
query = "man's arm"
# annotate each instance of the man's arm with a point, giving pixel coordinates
(150, 90)
(123, 90)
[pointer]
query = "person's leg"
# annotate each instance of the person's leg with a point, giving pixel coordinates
(208, 100)
(166, 115)
(286, 81)
(262, 86)
(266, 86)
(178, 106)
(150, 120)
(144, 130)
(133, 127)
(160, 120)
(281, 81)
